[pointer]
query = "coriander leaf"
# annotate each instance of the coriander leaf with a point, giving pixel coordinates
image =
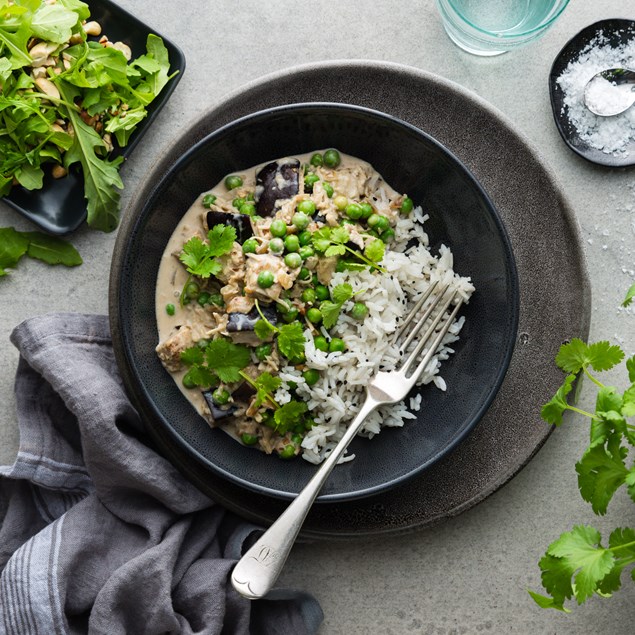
(552, 411)
(321, 239)
(600, 474)
(623, 542)
(340, 235)
(291, 340)
(52, 250)
(341, 293)
(608, 400)
(330, 313)
(289, 415)
(630, 294)
(580, 550)
(604, 356)
(13, 245)
(630, 367)
(335, 250)
(629, 481)
(628, 399)
(202, 376)
(53, 22)
(221, 240)
(266, 385)
(227, 359)
(263, 329)
(194, 251)
(556, 575)
(375, 250)
(545, 602)
(192, 355)
(573, 356)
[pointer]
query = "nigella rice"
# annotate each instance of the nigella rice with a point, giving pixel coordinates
(337, 396)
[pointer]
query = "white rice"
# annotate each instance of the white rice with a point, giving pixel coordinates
(336, 398)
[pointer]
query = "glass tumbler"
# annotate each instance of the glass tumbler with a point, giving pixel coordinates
(492, 27)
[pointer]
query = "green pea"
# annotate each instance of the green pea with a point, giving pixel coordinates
(192, 290)
(304, 238)
(265, 279)
(292, 243)
(322, 292)
(317, 160)
(309, 181)
(340, 202)
(308, 295)
(304, 274)
(332, 158)
(321, 344)
(328, 188)
(407, 205)
(288, 452)
(300, 221)
(278, 228)
(276, 245)
(306, 252)
(308, 423)
(299, 429)
(250, 246)
(348, 221)
(237, 202)
(208, 200)
(336, 345)
(233, 181)
(250, 196)
(292, 385)
(311, 376)
(388, 235)
(353, 210)
(297, 438)
(367, 210)
(293, 260)
(314, 279)
(360, 311)
(263, 351)
(203, 298)
(291, 315)
(248, 208)
(314, 315)
(188, 382)
(220, 396)
(216, 299)
(306, 207)
(378, 222)
(249, 439)
(170, 309)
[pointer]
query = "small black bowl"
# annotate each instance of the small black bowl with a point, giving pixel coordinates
(461, 216)
(617, 32)
(59, 207)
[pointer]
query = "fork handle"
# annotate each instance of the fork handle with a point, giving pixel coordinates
(257, 571)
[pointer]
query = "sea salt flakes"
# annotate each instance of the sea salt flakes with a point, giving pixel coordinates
(611, 135)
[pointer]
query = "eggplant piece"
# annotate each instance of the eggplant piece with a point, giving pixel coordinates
(247, 321)
(276, 182)
(216, 410)
(240, 222)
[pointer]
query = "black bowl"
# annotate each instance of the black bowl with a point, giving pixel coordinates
(617, 33)
(461, 216)
(59, 207)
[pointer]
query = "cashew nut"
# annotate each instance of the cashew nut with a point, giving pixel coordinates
(124, 48)
(40, 54)
(92, 28)
(58, 171)
(47, 87)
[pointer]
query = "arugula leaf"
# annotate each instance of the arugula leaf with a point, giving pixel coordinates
(227, 359)
(54, 23)
(157, 51)
(49, 249)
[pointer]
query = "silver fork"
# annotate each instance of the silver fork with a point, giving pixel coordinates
(257, 571)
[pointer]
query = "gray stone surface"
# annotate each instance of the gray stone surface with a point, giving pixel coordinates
(470, 574)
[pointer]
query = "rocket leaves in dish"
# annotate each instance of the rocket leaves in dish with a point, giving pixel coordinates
(91, 89)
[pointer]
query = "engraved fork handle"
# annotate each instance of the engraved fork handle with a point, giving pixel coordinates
(257, 571)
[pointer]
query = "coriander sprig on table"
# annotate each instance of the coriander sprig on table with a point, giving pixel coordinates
(578, 565)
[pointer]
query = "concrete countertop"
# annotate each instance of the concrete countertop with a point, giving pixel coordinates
(470, 574)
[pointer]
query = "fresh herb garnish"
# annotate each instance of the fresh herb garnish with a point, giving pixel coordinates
(578, 564)
(90, 88)
(289, 415)
(331, 241)
(265, 384)
(331, 309)
(221, 359)
(49, 249)
(199, 257)
(290, 336)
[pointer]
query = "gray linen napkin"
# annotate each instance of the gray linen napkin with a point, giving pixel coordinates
(100, 534)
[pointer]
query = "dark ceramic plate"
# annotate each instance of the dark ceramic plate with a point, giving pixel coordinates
(59, 206)
(617, 32)
(461, 216)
